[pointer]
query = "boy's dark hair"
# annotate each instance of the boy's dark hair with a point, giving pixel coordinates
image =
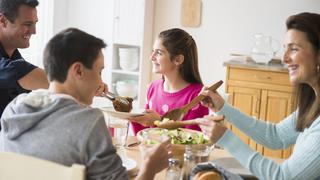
(67, 47)
(10, 8)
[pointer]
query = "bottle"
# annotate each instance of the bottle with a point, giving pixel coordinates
(174, 170)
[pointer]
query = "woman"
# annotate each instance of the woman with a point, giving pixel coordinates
(302, 127)
(175, 57)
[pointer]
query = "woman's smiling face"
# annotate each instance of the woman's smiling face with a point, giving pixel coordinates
(300, 57)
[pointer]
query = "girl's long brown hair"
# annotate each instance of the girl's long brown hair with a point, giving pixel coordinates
(177, 42)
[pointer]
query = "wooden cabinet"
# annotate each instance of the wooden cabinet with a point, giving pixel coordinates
(264, 93)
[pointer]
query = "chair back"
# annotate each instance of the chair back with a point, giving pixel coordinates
(16, 167)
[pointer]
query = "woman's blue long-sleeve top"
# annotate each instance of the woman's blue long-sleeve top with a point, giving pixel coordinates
(304, 163)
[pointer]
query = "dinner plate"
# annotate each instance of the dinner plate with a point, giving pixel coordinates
(123, 115)
(128, 163)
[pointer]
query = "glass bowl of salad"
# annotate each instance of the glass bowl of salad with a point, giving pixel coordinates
(180, 138)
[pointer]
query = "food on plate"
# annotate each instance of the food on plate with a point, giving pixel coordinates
(165, 120)
(122, 107)
(178, 136)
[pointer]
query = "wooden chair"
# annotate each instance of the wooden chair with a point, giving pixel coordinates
(16, 167)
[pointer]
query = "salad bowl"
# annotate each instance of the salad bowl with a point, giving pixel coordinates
(180, 139)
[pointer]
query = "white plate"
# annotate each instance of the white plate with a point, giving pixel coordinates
(128, 163)
(123, 115)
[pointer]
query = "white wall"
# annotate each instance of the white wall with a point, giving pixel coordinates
(227, 26)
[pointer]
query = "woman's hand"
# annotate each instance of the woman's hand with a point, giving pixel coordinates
(213, 100)
(213, 127)
(147, 119)
(155, 159)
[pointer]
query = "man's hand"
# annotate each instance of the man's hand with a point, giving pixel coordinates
(103, 88)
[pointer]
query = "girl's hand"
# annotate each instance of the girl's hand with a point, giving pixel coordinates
(213, 100)
(147, 119)
(213, 127)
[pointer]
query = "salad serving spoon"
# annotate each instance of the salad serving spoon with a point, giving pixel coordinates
(176, 124)
(179, 113)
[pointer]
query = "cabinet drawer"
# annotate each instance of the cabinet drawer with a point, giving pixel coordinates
(271, 77)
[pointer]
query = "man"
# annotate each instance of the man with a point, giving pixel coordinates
(58, 125)
(18, 20)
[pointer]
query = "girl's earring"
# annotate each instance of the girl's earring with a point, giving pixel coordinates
(318, 68)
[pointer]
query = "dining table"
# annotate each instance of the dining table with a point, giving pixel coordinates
(219, 156)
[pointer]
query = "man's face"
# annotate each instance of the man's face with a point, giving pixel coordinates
(18, 33)
(91, 81)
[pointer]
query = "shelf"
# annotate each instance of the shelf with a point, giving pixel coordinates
(120, 71)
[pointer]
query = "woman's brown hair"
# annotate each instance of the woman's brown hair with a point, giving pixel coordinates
(177, 42)
(308, 103)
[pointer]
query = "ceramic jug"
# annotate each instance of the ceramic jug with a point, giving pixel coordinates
(264, 48)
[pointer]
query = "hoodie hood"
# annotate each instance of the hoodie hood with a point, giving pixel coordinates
(27, 110)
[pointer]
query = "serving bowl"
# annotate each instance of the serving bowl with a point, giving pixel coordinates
(152, 136)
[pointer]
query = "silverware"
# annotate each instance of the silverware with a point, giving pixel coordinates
(178, 113)
(114, 97)
(134, 144)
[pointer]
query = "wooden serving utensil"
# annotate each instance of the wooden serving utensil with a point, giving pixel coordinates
(179, 113)
(177, 124)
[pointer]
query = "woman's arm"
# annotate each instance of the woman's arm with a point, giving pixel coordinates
(274, 136)
(304, 163)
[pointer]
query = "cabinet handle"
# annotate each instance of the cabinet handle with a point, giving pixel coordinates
(262, 78)
(257, 107)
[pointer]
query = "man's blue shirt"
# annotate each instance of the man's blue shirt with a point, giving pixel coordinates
(11, 70)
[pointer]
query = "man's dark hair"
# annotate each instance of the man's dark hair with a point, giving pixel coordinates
(10, 8)
(67, 47)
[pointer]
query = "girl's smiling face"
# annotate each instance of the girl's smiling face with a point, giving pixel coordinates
(160, 57)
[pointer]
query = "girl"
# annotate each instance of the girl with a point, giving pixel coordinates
(175, 57)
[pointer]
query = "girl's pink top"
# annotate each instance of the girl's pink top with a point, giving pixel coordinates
(162, 102)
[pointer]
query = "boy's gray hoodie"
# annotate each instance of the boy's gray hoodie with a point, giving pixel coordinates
(56, 127)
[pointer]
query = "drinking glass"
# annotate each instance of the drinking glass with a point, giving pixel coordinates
(118, 129)
(151, 137)
(193, 155)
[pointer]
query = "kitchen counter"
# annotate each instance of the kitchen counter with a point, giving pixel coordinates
(251, 64)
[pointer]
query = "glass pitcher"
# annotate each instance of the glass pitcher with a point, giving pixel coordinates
(264, 48)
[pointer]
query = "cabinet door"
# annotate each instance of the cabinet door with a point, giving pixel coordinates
(275, 106)
(246, 100)
(128, 21)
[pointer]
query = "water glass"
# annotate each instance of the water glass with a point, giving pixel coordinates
(118, 129)
(154, 136)
(193, 155)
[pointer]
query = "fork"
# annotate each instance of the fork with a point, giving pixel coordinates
(114, 97)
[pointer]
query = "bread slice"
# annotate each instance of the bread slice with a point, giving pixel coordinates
(207, 175)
